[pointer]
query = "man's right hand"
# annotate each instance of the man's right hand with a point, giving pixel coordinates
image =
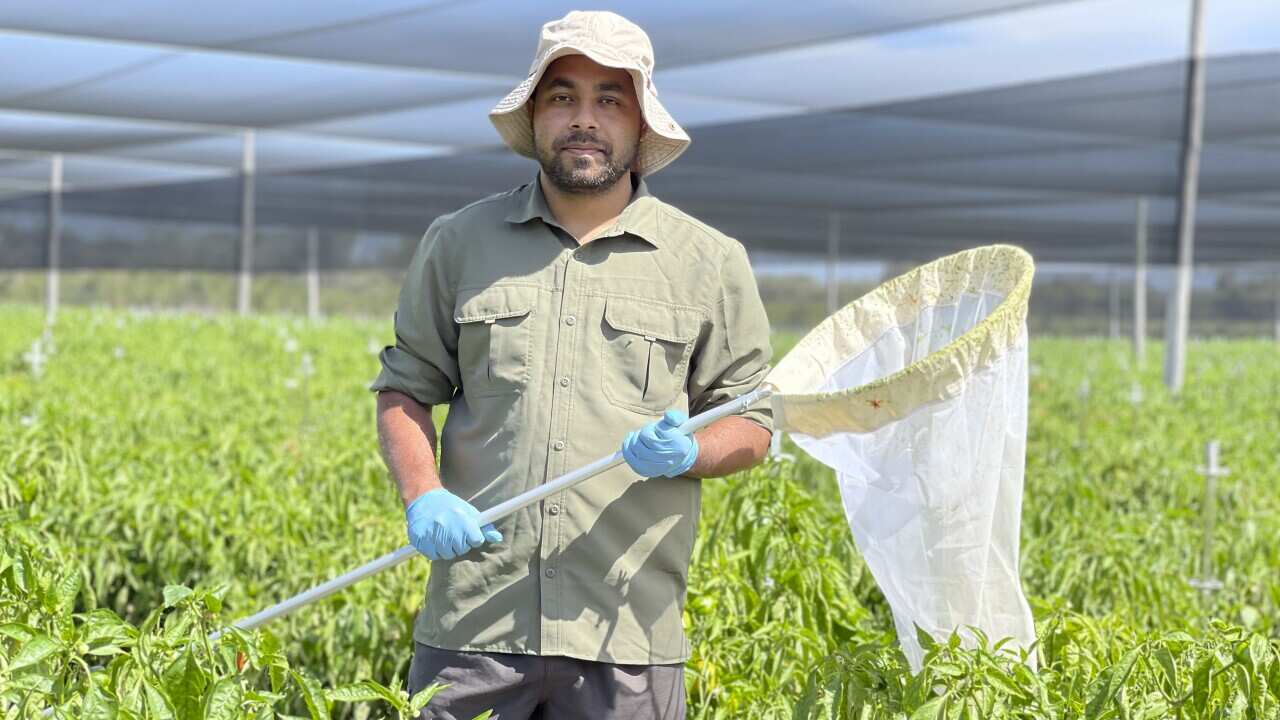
(443, 526)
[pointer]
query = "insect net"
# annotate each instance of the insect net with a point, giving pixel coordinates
(916, 395)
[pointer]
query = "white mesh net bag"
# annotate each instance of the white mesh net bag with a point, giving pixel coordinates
(916, 395)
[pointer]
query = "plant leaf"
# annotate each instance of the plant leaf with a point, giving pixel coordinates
(1167, 666)
(423, 696)
(64, 593)
(312, 694)
(184, 683)
(98, 706)
(1110, 682)
(36, 649)
(174, 594)
(357, 692)
(931, 710)
(223, 701)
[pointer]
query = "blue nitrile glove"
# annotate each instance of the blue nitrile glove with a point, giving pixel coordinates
(443, 526)
(660, 448)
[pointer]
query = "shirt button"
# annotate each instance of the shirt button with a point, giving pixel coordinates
(551, 572)
(570, 320)
(564, 382)
(553, 510)
(559, 445)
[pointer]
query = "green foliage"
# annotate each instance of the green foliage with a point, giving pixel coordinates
(168, 473)
(1112, 533)
(63, 664)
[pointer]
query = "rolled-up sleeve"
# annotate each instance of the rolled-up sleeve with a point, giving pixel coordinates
(423, 363)
(733, 357)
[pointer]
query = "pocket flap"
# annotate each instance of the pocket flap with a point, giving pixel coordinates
(664, 322)
(495, 303)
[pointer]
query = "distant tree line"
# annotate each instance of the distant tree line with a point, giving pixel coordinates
(1237, 304)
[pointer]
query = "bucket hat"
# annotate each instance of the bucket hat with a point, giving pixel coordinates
(610, 40)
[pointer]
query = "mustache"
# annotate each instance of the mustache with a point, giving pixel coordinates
(582, 138)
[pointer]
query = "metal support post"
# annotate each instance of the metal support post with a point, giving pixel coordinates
(1277, 306)
(51, 286)
(1178, 314)
(244, 286)
(1113, 306)
(313, 273)
(1140, 284)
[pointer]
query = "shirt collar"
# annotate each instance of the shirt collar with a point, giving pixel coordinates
(639, 217)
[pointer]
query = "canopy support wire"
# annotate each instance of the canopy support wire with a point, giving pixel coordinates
(1178, 315)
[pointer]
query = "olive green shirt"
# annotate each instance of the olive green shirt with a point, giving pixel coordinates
(548, 353)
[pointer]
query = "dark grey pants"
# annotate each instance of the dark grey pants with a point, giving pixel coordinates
(520, 687)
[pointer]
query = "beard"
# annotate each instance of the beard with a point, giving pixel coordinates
(582, 174)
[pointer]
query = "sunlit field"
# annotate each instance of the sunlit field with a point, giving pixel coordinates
(163, 474)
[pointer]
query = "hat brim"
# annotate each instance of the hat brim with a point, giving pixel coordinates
(658, 147)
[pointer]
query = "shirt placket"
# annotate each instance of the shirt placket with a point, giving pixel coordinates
(562, 384)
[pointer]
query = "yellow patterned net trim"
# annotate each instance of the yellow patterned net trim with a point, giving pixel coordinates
(939, 376)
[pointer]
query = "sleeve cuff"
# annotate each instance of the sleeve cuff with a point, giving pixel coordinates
(405, 374)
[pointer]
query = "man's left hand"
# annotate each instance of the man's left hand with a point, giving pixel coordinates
(660, 448)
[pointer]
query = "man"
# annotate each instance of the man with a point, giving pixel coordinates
(554, 319)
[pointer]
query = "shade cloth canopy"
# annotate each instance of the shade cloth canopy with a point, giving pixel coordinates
(929, 126)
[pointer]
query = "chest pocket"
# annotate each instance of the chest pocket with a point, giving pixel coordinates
(494, 339)
(645, 353)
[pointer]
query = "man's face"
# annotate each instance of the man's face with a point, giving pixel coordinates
(586, 124)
